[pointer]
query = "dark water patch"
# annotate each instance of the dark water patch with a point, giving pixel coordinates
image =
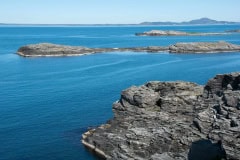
(205, 149)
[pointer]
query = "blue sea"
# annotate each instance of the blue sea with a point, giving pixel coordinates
(47, 103)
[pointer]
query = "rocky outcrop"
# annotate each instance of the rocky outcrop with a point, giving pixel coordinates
(162, 33)
(174, 33)
(203, 47)
(173, 120)
(48, 49)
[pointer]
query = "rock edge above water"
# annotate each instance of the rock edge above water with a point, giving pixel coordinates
(173, 120)
(48, 49)
(175, 33)
(234, 31)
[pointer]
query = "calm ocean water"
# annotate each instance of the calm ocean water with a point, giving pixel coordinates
(47, 103)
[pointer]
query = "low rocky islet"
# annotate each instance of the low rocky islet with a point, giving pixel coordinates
(175, 33)
(48, 49)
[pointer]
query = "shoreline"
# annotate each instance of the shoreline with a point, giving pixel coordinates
(56, 55)
(100, 153)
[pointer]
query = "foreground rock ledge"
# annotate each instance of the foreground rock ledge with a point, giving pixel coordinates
(173, 120)
(47, 49)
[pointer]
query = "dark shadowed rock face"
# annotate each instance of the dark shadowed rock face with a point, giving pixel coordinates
(173, 120)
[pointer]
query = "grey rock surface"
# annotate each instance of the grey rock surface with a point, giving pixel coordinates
(173, 121)
(48, 49)
(174, 33)
(162, 33)
(234, 31)
(203, 47)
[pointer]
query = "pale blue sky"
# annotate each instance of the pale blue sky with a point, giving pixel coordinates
(115, 11)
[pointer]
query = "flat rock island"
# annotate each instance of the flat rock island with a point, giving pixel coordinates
(174, 33)
(48, 49)
(203, 47)
(173, 120)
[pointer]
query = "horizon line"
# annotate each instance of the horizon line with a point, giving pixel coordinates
(133, 24)
(141, 23)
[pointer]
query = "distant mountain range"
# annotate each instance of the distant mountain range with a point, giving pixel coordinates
(192, 22)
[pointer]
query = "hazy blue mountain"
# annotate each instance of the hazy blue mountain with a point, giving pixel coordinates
(192, 22)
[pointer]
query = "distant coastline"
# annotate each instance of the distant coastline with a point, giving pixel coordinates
(201, 21)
